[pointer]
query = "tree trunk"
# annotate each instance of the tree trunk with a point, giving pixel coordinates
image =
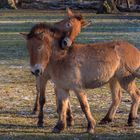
(128, 4)
(10, 4)
(108, 6)
(119, 2)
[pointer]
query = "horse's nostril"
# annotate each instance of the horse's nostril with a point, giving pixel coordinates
(37, 72)
(65, 43)
(32, 72)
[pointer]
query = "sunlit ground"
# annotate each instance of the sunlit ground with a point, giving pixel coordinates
(17, 85)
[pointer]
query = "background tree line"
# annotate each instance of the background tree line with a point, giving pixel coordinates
(100, 6)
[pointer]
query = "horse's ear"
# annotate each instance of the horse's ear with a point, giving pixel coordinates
(69, 12)
(24, 35)
(85, 23)
(40, 35)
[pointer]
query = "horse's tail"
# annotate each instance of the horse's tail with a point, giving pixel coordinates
(136, 72)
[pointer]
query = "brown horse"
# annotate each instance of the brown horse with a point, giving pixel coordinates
(65, 26)
(82, 67)
(70, 28)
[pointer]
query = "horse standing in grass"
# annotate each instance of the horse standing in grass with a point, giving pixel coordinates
(65, 26)
(83, 67)
(68, 27)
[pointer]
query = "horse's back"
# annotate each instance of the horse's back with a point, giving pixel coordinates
(106, 51)
(92, 65)
(99, 62)
(129, 54)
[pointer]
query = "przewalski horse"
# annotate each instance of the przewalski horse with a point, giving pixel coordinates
(83, 67)
(69, 28)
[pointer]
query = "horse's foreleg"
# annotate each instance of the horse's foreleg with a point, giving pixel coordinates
(35, 109)
(86, 109)
(41, 84)
(116, 99)
(62, 106)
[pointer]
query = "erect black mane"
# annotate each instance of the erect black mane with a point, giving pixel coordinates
(42, 27)
(78, 17)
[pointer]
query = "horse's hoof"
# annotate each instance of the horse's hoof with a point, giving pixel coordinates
(33, 113)
(56, 130)
(70, 123)
(131, 123)
(59, 127)
(90, 128)
(90, 131)
(105, 121)
(40, 125)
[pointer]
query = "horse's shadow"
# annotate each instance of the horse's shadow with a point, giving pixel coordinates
(16, 126)
(22, 113)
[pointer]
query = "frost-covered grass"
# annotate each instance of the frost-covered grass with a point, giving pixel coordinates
(17, 85)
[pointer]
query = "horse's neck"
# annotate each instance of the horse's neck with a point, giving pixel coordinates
(58, 56)
(56, 33)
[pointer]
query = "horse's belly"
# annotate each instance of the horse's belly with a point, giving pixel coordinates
(67, 82)
(97, 77)
(94, 84)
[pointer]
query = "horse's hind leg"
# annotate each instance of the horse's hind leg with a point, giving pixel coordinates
(116, 99)
(86, 109)
(134, 92)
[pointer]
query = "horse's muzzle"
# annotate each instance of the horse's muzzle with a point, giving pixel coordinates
(36, 73)
(36, 70)
(66, 43)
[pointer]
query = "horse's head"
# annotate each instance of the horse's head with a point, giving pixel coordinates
(39, 39)
(39, 47)
(73, 25)
(42, 40)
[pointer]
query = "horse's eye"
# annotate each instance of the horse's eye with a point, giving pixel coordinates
(40, 48)
(68, 25)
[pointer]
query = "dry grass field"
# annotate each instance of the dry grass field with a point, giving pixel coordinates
(17, 85)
